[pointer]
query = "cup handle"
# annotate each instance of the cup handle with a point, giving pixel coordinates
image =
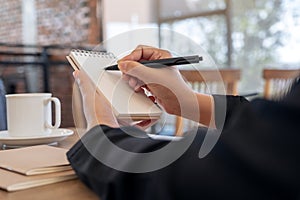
(57, 113)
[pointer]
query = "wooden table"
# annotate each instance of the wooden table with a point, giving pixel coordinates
(68, 190)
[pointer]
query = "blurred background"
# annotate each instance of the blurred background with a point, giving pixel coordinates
(36, 35)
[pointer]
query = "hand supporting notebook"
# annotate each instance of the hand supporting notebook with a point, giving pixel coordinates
(126, 104)
(94, 114)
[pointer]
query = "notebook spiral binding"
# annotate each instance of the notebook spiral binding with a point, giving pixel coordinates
(79, 52)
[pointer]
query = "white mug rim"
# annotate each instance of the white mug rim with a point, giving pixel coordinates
(28, 95)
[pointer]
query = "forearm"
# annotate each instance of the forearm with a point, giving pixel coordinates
(196, 107)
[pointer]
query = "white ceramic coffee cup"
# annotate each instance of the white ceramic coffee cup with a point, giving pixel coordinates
(30, 114)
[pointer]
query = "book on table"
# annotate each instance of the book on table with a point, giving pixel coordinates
(34, 160)
(11, 181)
(33, 166)
(126, 103)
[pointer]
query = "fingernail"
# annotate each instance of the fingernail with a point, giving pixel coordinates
(75, 74)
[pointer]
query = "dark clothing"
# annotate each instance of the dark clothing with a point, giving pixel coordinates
(3, 123)
(256, 157)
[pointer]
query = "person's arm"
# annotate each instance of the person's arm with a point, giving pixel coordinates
(90, 155)
(255, 156)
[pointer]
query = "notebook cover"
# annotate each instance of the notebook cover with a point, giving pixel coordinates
(11, 181)
(33, 160)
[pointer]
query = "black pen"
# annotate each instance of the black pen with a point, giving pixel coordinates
(161, 63)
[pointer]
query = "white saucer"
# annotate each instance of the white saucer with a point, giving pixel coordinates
(55, 136)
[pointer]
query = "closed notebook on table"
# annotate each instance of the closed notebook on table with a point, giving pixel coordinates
(11, 181)
(126, 103)
(40, 159)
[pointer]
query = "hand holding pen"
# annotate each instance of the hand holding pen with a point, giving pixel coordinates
(166, 85)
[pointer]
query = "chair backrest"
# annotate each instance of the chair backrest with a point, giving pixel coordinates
(210, 81)
(213, 81)
(278, 81)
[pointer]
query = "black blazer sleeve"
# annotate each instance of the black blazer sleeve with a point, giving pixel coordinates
(225, 106)
(256, 157)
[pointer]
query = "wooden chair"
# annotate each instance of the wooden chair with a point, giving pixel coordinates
(212, 82)
(277, 81)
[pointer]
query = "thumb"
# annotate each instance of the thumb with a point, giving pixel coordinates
(134, 69)
(84, 83)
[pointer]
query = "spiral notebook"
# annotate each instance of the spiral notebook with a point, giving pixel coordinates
(126, 103)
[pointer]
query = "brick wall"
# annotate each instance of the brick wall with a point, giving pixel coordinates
(58, 22)
(11, 21)
(72, 22)
(62, 22)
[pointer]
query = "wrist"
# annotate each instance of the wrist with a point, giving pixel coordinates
(206, 109)
(189, 106)
(184, 104)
